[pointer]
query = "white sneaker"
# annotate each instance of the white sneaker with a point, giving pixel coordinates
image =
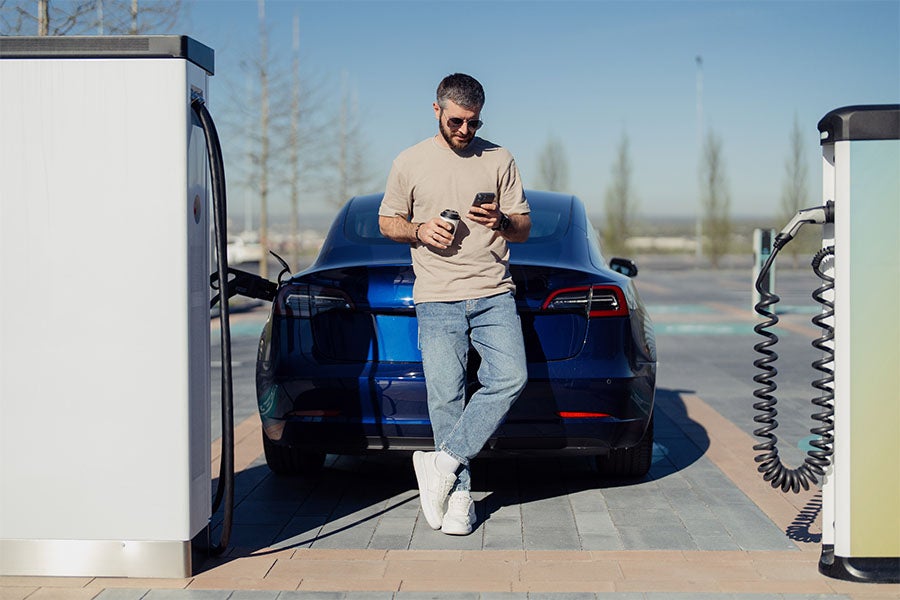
(460, 515)
(434, 487)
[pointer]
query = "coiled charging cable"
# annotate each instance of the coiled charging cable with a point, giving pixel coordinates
(819, 458)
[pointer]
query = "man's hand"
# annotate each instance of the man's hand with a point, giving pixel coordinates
(489, 215)
(485, 214)
(435, 233)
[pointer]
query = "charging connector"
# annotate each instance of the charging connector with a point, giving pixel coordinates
(816, 214)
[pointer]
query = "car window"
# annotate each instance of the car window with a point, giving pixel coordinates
(362, 225)
(547, 224)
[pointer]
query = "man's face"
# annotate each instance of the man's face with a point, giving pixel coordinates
(457, 137)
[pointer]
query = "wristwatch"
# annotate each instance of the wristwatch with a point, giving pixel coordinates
(503, 225)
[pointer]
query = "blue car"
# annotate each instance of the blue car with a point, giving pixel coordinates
(339, 370)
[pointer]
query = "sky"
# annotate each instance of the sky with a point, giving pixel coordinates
(590, 74)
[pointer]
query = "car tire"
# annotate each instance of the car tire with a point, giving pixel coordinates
(285, 460)
(629, 463)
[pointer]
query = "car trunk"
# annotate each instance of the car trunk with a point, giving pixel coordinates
(380, 324)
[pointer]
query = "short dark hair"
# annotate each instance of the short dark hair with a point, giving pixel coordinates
(461, 89)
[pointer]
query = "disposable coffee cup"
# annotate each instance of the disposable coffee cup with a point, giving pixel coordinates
(452, 217)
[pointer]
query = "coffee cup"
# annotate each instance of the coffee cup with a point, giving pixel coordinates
(452, 217)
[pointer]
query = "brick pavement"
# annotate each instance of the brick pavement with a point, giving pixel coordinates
(703, 525)
(600, 541)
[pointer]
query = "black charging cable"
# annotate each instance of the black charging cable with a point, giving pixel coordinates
(225, 487)
(817, 460)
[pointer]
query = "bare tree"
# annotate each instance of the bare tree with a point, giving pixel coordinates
(347, 173)
(133, 17)
(279, 155)
(795, 194)
(294, 146)
(264, 141)
(620, 203)
(715, 201)
(43, 17)
(87, 17)
(553, 170)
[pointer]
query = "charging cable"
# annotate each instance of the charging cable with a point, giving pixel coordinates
(225, 487)
(817, 460)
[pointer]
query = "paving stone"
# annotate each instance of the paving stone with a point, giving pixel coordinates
(187, 595)
(121, 594)
(656, 538)
(303, 595)
(436, 596)
(503, 533)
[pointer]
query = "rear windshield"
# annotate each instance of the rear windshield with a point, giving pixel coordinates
(362, 224)
(547, 224)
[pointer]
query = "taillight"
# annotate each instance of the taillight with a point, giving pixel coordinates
(578, 414)
(310, 300)
(595, 301)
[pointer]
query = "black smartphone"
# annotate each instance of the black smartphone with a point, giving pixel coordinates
(483, 198)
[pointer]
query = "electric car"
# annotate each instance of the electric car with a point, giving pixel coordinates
(339, 370)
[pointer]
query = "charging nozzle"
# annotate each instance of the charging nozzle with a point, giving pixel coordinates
(816, 214)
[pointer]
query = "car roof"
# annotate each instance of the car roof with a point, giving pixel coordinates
(558, 237)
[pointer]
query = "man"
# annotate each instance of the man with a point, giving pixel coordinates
(463, 290)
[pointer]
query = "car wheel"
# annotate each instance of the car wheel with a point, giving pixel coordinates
(629, 463)
(284, 460)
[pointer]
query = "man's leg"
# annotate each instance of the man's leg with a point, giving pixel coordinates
(496, 335)
(443, 340)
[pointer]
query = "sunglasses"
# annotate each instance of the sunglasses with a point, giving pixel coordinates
(456, 123)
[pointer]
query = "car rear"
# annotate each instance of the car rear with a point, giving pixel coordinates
(339, 368)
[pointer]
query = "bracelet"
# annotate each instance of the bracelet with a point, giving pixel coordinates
(417, 234)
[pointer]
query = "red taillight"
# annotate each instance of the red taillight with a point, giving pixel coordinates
(583, 415)
(309, 300)
(596, 301)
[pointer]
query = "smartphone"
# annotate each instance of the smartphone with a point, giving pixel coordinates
(483, 198)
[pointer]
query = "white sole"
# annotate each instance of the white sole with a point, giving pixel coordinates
(450, 531)
(434, 521)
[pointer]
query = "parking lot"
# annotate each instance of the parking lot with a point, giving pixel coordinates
(702, 524)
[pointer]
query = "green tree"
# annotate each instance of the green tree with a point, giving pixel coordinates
(715, 201)
(620, 203)
(795, 195)
(553, 169)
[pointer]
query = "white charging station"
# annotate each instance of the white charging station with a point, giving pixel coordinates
(104, 314)
(861, 495)
(763, 240)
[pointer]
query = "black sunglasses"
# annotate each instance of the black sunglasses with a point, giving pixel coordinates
(456, 123)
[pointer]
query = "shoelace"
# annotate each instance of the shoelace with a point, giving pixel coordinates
(461, 504)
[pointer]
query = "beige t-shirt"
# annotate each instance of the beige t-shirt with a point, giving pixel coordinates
(426, 179)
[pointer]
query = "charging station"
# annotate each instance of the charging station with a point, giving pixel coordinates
(104, 317)
(861, 496)
(856, 449)
(762, 249)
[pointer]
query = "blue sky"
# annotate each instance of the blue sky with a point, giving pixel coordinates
(589, 72)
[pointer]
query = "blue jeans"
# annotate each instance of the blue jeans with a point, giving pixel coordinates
(446, 330)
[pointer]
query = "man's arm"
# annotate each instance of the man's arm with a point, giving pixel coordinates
(398, 229)
(435, 232)
(519, 228)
